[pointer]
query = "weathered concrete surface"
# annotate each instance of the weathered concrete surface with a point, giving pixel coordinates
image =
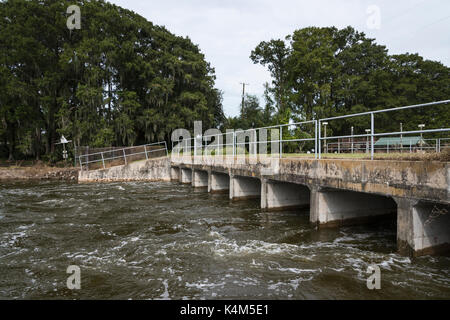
(333, 207)
(200, 179)
(423, 228)
(185, 175)
(426, 180)
(219, 182)
(281, 195)
(150, 170)
(242, 188)
(174, 174)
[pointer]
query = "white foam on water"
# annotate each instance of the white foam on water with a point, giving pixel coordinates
(232, 248)
(10, 239)
(52, 201)
(205, 285)
(27, 226)
(161, 252)
(298, 271)
(337, 269)
(216, 235)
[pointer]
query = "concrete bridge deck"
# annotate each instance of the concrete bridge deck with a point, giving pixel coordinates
(338, 192)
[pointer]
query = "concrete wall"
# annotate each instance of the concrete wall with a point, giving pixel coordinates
(422, 227)
(278, 195)
(219, 182)
(175, 174)
(200, 179)
(242, 188)
(185, 175)
(333, 207)
(427, 180)
(150, 170)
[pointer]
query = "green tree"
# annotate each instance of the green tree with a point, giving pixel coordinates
(119, 80)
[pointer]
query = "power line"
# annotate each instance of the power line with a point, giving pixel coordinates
(433, 23)
(404, 12)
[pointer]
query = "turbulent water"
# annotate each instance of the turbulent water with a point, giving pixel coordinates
(168, 241)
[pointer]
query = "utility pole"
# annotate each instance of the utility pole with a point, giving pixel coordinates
(243, 95)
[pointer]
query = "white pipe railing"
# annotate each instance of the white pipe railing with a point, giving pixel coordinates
(162, 146)
(316, 136)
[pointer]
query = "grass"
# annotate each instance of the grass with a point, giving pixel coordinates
(444, 156)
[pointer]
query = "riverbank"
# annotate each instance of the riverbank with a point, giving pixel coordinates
(38, 172)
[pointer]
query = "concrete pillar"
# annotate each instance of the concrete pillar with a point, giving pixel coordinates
(219, 182)
(423, 228)
(264, 193)
(242, 188)
(175, 174)
(276, 195)
(185, 175)
(334, 208)
(199, 179)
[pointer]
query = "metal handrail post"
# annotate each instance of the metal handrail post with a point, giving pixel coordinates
(372, 128)
(234, 144)
(218, 146)
(81, 164)
(145, 149)
(165, 145)
(103, 161)
(319, 141)
(124, 156)
(281, 142)
(315, 139)
(195, 147)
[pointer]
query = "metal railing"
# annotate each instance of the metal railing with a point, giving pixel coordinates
(433, 145)
(372, 133)
(127, 154)
(235, 146)
(200, 145)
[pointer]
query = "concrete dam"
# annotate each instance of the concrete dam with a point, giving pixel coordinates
(338, 192)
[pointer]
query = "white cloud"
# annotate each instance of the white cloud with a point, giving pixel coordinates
(227, 30)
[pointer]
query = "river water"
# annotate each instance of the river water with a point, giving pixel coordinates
(168, 241)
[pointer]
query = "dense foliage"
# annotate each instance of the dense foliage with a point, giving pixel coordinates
(325, 72)
(119, 80)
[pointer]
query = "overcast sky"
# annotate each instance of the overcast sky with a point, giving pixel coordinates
(228, 30)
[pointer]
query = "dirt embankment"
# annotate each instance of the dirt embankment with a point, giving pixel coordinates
(38, 172)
